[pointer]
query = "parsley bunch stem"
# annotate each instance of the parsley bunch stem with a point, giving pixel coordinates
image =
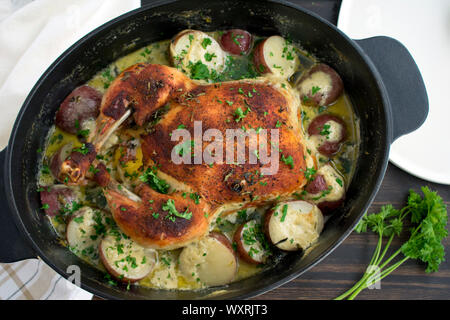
(428, 214)
(377, 258)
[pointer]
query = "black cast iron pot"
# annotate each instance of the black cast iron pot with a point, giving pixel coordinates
(379, 75)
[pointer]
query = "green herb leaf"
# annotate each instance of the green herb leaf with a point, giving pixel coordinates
(153, 181)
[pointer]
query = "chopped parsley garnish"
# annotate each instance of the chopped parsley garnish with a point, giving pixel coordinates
(314, 90)
(309, 173)
(195, 197)
(166, 261)
(108, 77)
(235, 39)
(209, 56)
(289, 56)
(153, 181)
(199, 71)
(288, 161)
(45, 169)
(206, 42)
(239, 114)
(78, 219)
(325, 130)
(169, 206)
(83, 133)
(242, 215)
(83, 149)
(324, 193)
(284, 212)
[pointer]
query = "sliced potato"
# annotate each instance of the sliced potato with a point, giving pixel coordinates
(125, 260)
(320, 86)
(85, 230)
(331, 193)
(191, 47)
(277, 56)
(327, 132)
(250, 242)
(293, 225)
(211, 260)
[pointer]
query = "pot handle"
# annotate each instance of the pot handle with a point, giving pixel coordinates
(403, 81)
(13, 246)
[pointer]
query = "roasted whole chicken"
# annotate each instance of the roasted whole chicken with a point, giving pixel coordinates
(142, 90)
(170, 153)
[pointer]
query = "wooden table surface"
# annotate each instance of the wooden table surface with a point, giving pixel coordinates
(345, 265)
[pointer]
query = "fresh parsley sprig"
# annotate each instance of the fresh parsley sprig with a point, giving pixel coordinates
(427, 214)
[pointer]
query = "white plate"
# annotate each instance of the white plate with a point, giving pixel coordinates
(424, 28)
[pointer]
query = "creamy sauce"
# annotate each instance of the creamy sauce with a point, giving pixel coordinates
(166, 273)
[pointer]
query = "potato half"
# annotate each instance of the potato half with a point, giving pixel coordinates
(190, 47)
(125, 260)
(293, 225)
(277, 56)
(249, 240)
(327, 190)
(211, 260)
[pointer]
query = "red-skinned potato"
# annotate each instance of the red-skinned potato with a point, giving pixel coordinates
(56, 197)
(236, 41)
(249, 244)
(320, 86)
(125, 260)
(327, 132)
(80, 105)
(193, 46)
(81, 231)
(293, 225)
(277, 56)
(211, 260)
(327, 207)
(317, 185)
(326, 190)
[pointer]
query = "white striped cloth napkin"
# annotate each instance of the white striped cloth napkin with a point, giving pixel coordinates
(32, 35)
